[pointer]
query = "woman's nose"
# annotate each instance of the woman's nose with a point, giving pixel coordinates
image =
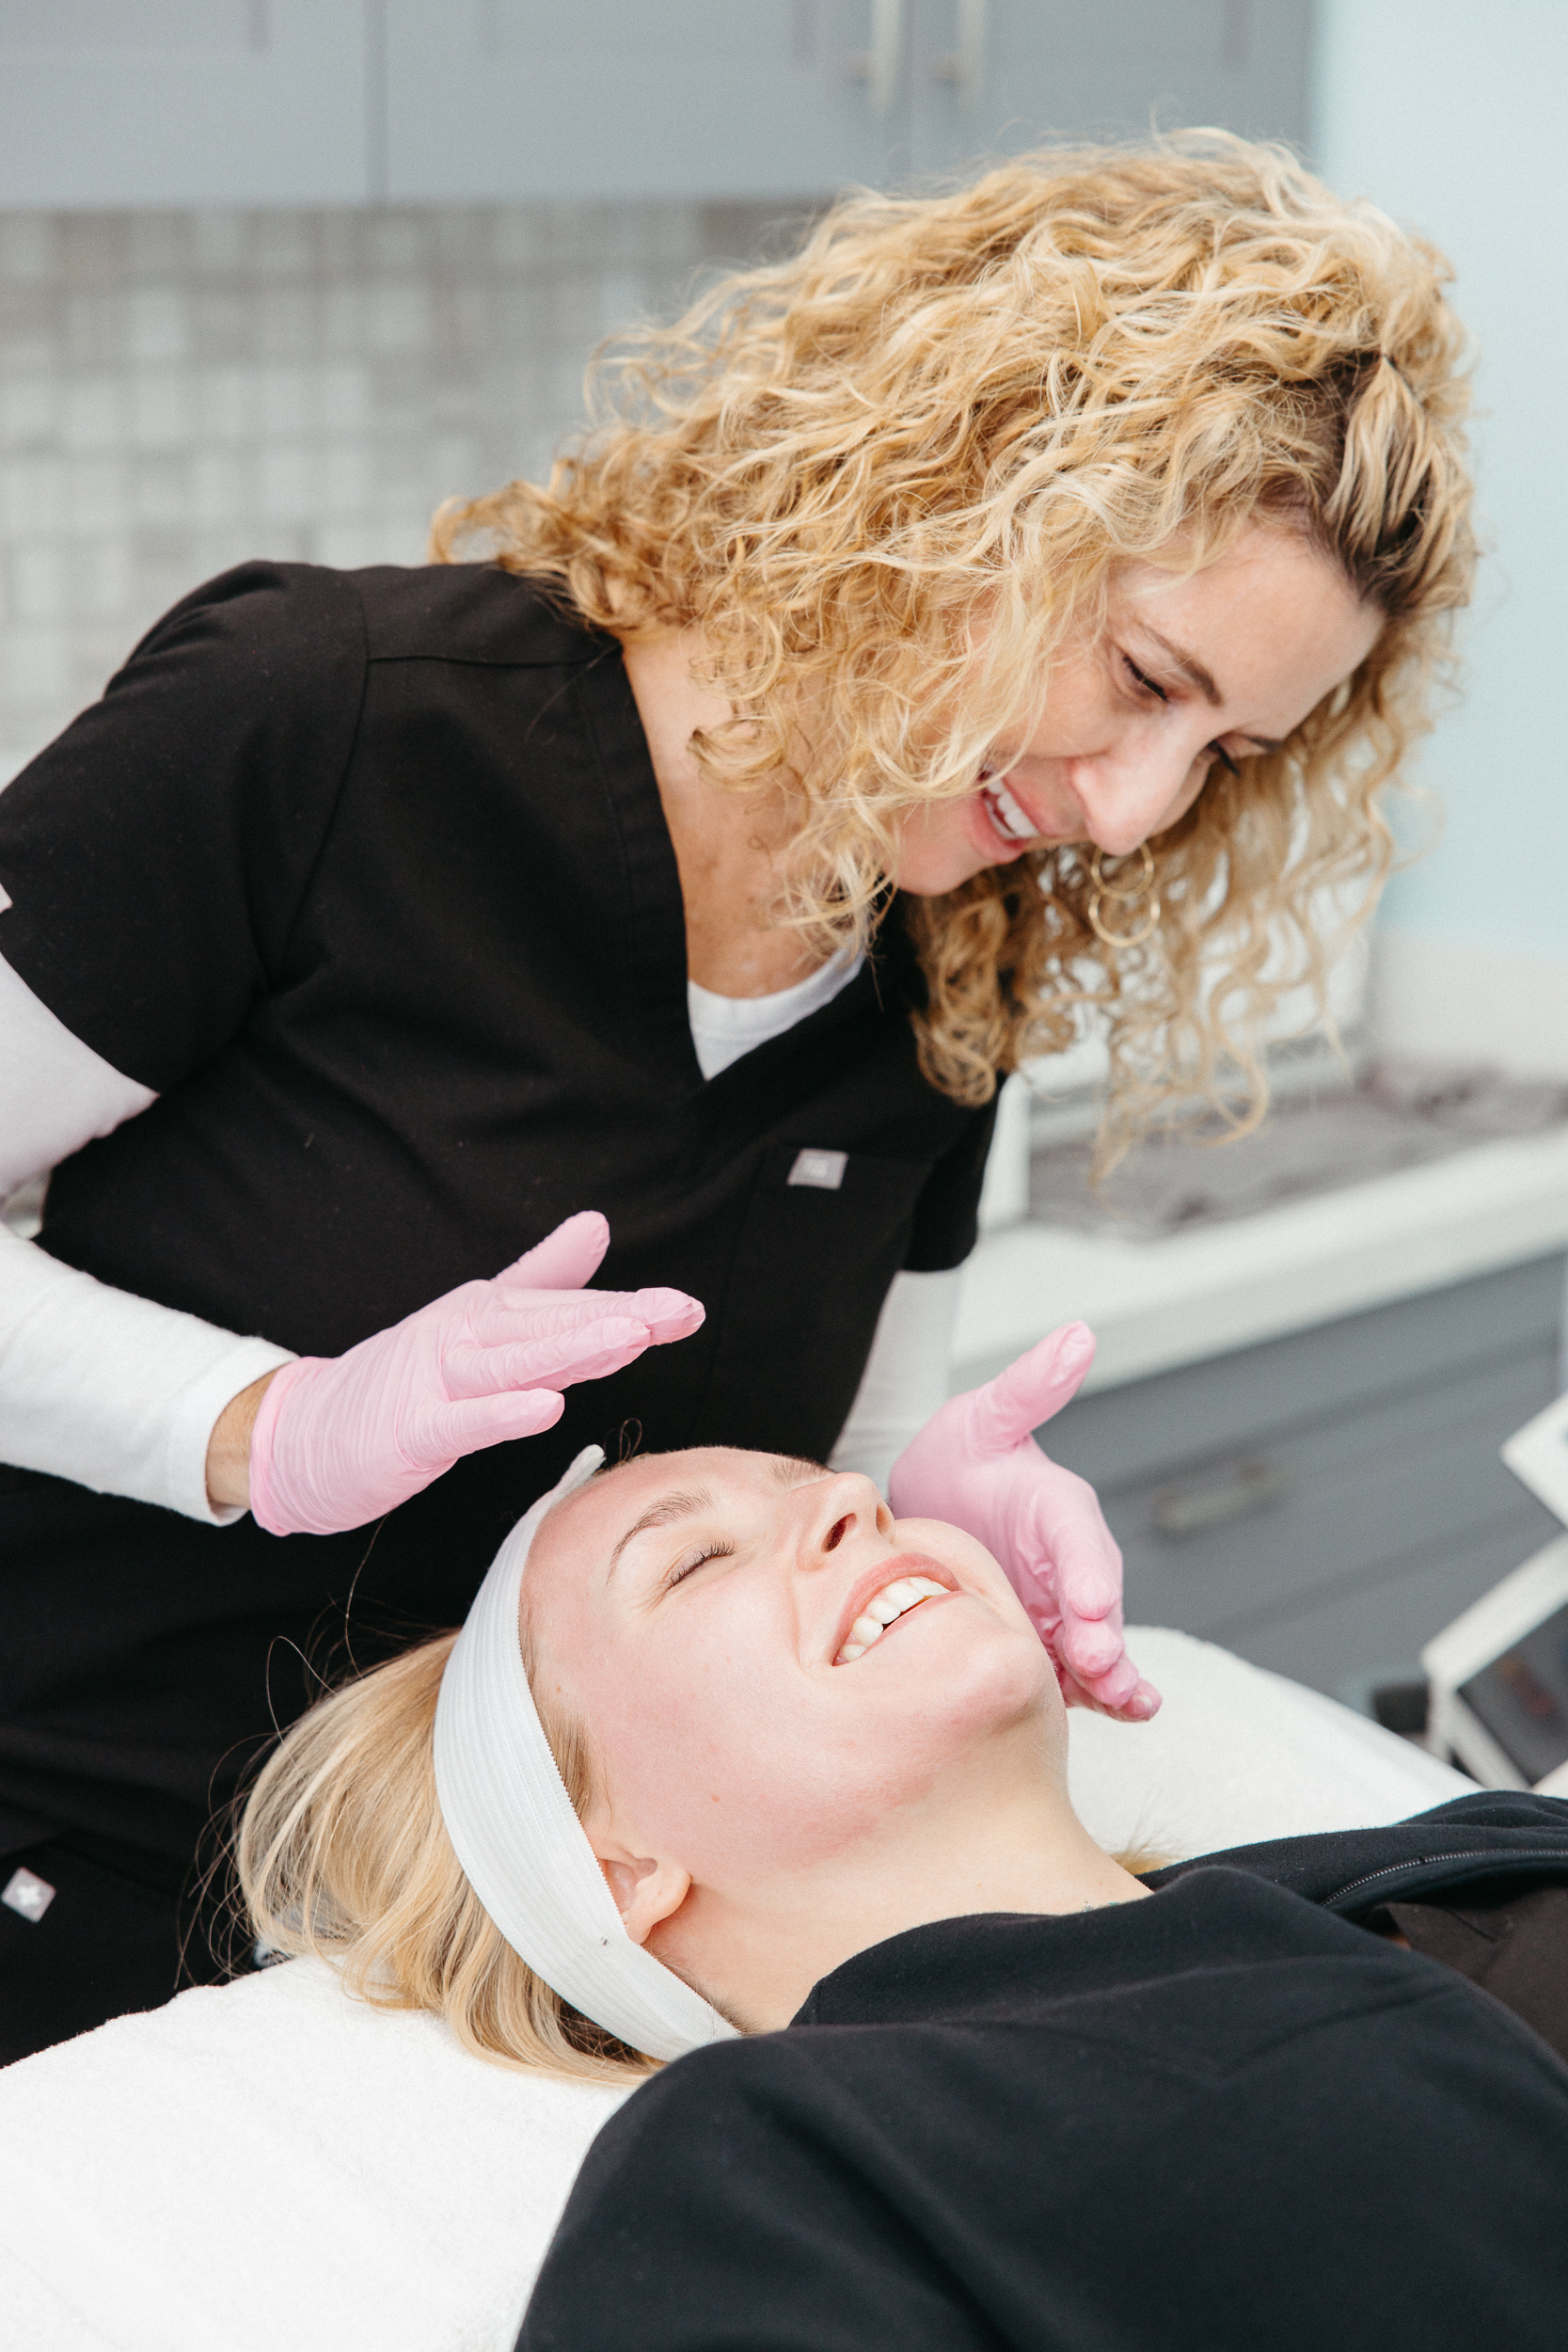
(1124, 801)
(840, 1507)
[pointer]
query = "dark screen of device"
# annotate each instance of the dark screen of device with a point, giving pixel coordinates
(1521, 1698)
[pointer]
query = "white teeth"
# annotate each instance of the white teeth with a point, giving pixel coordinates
(1005, 811)
(882, 1609)
(893, 1601)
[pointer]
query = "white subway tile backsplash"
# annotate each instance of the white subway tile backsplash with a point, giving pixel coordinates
(97, 495)
(159, 246)
(180, 390)
(103, 578)
(222, 487)
(284, 323)
(33, 497)
(347, 484)
(160, 491)
(399, 318)
(34, 669)
(289, 483)
(29, 407)
(162, 402)
(290, 400)
(28, 247)
(95, 412)
(157, 323)
(369, 542)
(284, 245)
(345, 398)
(227, 404)
(37, 584)
(217, 243)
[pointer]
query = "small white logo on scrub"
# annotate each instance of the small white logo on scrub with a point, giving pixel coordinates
(27, 1894)
(824, 1170)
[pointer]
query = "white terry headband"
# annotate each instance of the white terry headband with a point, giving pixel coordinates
(522, 1848)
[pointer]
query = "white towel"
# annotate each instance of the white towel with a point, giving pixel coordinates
(1237, 1754)
(274, 2164)
(271, 2163)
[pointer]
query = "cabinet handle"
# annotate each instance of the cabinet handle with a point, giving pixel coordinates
(964, 66)
(881, 66)
(1235, 1494)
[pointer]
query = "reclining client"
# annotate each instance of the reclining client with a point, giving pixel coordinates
(749, 1774)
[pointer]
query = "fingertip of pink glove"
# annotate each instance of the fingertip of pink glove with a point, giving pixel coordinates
(671, 1315)
(1145, 1701)
(567, 1258)
(1091, 1650)
(584, 1225)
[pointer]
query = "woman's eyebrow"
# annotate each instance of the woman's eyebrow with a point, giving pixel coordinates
(664, 1513)
(794, 1469)
(1187, 665)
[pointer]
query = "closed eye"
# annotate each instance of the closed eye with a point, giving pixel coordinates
(1149, 685)
(695, 1559)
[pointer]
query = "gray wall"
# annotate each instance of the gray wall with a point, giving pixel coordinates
(182, 389)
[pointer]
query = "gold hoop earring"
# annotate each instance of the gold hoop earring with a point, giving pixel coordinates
(1107, 890)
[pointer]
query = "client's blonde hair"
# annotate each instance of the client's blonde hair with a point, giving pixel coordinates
(342, 1855)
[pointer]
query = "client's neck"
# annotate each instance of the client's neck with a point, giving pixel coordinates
(757, 1950)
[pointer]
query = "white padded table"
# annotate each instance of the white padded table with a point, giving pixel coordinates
(273, 2163)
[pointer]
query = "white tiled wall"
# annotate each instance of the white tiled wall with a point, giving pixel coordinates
(180, 390)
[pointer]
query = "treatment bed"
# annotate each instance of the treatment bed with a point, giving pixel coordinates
(272, 2162)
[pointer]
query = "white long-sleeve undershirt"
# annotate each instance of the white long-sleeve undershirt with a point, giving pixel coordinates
(121, 1394)
(96, 1385)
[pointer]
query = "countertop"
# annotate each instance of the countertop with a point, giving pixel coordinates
(1155, 1304)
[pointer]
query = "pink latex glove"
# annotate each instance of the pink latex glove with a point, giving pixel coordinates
(976, 1464)
(338, 1440)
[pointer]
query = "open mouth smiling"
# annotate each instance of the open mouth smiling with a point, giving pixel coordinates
(1011, 821)
(884, 1607)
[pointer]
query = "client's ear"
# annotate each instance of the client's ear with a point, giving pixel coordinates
(645, 1891)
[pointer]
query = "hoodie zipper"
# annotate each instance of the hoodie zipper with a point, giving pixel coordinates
(1480, 1854)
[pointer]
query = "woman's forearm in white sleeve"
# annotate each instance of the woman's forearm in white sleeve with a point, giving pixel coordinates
(907, 1374)
(95, 1385)
(111, 1390)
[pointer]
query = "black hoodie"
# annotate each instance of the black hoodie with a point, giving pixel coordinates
(1226, 2116)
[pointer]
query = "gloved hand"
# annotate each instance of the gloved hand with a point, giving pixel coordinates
(340, 1439)
(976, 1464)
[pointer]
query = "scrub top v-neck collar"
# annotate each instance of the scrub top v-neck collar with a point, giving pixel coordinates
(650, 879)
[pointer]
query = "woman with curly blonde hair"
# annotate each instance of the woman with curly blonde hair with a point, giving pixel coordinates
(1011, 605)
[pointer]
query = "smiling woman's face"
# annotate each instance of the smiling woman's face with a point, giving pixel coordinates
(708, 1615)
(1187, 672)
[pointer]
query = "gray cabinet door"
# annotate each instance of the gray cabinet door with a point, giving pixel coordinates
(994, 76)
(110, 102)
(491, 100)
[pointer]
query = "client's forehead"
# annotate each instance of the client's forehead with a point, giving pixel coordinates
(704, 1464)
(676, 1485)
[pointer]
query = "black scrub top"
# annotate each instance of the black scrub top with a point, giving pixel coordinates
(368, 876)
(1224, 2119)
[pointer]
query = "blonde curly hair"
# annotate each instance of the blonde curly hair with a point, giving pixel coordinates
(887, 478)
